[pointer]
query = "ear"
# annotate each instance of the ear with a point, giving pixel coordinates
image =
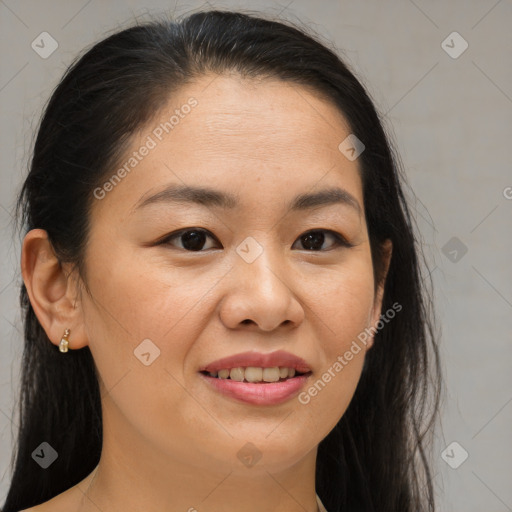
(385, 253)
(52, 291)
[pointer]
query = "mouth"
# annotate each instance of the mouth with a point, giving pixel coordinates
(257, 378)
(257, 385)
(256, 375)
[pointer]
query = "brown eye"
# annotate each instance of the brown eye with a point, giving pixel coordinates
(192, 239)
(314, 240)
(195, 240)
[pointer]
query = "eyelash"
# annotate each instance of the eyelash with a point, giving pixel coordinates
(340, 241)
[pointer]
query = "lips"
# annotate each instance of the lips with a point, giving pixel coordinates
(279, 358)
(256, 378)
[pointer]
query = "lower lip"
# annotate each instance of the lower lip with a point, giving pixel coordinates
(259, 393)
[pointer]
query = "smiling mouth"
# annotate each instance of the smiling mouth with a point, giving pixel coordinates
(256, 375)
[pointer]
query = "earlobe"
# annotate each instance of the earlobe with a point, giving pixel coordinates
(51, 291)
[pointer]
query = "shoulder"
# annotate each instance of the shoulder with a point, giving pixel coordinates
(48, 506)
(321, 507)
(65, 502)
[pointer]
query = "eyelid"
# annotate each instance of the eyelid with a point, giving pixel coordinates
(176, 234)
(339, 237)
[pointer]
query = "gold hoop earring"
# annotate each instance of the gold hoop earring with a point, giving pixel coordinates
(64, 342)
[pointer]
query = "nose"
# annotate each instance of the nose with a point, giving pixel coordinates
(260, 294)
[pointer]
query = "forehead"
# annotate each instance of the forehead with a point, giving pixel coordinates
(265, 138)
(237, 114)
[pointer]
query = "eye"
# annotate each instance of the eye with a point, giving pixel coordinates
(315, 239)
(194, 239)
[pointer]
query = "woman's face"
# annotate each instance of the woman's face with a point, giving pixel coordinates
(238, 275)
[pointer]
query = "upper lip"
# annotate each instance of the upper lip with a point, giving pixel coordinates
(257, 359)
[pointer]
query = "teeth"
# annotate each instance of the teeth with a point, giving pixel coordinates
(223, 374)
(237, 374)
(254, 374)
(271, 374)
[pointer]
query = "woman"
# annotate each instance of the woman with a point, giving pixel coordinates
(224, 307)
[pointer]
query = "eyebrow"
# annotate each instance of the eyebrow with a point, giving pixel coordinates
(216, 198)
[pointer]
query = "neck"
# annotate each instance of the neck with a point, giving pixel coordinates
(133, 475)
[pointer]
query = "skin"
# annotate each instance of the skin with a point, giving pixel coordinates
(170, 442)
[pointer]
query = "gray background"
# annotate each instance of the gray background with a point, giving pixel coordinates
(451, 120)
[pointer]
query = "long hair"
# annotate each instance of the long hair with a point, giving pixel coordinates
(377, 457)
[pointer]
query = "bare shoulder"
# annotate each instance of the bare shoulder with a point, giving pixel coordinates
(44, 507)
(65, 502)
(68, 501)
(48, 506)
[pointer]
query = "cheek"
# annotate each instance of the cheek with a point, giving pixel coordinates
(132, 303)
(135, 300)
(344, 311)
(345, 301)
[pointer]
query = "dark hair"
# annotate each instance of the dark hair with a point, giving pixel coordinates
(375, 458)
